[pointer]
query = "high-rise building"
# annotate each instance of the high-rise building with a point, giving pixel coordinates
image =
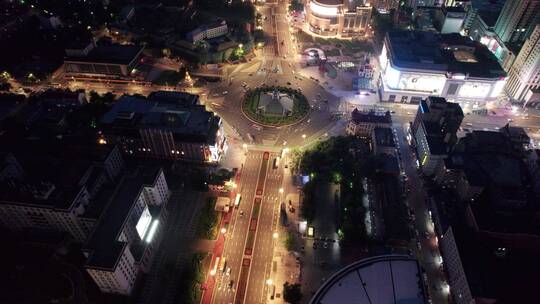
(434, 131)
(128, 232)
(524, 75)
(517, 20)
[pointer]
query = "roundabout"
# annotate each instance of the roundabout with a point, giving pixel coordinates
(275, 106)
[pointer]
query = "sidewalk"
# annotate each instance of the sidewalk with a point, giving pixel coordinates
(285, 267)
(218, 250)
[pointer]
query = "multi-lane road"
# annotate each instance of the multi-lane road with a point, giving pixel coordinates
(249, 239)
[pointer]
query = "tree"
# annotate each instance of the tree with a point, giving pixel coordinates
(296, 5)
(292, 293)
(288, 241)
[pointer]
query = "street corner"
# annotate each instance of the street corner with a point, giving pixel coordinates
(294, 198)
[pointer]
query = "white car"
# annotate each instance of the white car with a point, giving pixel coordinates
(225, 92)
(228, 272)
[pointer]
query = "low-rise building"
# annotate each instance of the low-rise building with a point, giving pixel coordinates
(439, 19)
(338, 18)
(208, 31)
(165, 127)
(362, 123)
(382, 141)
(128, 232)
(88, 59)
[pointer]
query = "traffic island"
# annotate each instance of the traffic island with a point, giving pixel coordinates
(275, 106)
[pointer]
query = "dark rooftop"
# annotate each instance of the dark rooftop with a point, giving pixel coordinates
(371, 116)
(330, 2)
(384, 137)
(190, 122)
(442, 52)
(104, 246)
(114, 54)
(8, 104)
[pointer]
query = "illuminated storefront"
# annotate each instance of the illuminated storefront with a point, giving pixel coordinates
(456, 73)
(335, 18)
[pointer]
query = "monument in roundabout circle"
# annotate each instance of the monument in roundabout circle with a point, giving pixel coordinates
(275, 106)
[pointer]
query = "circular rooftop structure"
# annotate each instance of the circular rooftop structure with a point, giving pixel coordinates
(377, 280)
(329, 2)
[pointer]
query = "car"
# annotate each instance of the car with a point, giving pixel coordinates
(250, 74)
(231, 284)
(228, 272)
(409, 113)
(510, 120)
(215, 95)
(225, 92)
(392, 112)
(469, 124)
(325, 245)
(241, 212)
(288, 83)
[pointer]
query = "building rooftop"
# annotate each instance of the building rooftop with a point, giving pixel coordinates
(53, 178)
(508, 275)
(329, 2)
(186, 121)
(104, 245)
(8, 104)
(371, 116)
(384, 137)
(376, 280)
(113, 54)
(46, 182)
(446, 53)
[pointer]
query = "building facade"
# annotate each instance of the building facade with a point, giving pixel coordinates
(156, 128)
(524, 75)
(209, 31)
(127, 234)
(338, 18)
(100, 61)
(61, 202)
(362, 123)
(517, 20)
(434, 131)
(416, 65)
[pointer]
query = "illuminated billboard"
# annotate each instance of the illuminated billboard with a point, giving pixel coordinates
(144, 222)
(474, 89)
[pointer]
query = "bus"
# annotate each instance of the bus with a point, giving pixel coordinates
(237, 199)
(214, 270)
(272, 292)
(276, 162)
(222, 265)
